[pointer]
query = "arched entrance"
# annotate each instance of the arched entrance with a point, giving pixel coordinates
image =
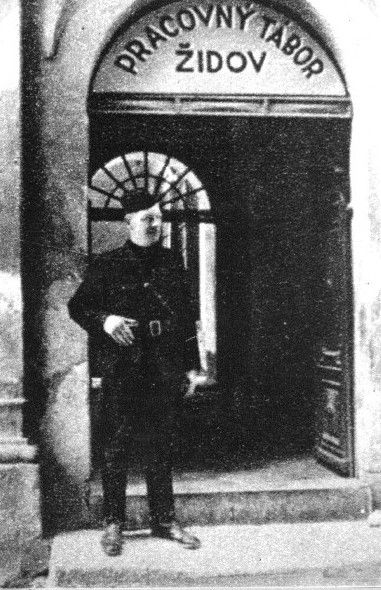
(258, 110)
(56, 174)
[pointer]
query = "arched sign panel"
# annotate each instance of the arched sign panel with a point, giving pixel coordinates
(217, 48)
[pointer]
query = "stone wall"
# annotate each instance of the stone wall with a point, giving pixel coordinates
(19, 484)
(54, 256)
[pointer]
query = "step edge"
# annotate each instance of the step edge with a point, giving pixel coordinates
(221, 578)
(96, 490)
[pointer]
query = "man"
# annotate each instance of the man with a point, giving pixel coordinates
(135, 305)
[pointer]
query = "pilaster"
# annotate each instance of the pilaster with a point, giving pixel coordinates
(13, 446)
(19, 483)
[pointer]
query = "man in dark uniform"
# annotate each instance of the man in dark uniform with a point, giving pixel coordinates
(135, 305)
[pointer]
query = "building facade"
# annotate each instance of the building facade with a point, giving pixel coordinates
(262, 118)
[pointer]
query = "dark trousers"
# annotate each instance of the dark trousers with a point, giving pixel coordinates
(138, 406)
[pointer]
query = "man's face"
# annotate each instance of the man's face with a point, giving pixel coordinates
(145, 226)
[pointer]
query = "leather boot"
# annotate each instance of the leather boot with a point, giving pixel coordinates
(174, 532)
(112, 539)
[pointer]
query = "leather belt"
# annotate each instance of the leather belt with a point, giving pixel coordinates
(156, 328)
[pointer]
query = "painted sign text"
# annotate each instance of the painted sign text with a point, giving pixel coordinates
(264, 30)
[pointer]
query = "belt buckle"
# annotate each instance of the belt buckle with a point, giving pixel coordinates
(155, 328)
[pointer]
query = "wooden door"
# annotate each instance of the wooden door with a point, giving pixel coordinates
(334, 438)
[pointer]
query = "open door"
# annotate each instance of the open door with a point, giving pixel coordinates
(334, 440)
(280, 275)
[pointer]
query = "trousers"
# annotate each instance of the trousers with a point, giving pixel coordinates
(138, 406)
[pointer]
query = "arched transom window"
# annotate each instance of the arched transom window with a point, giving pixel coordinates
(170, 180)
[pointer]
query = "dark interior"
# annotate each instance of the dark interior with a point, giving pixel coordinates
(272, 183)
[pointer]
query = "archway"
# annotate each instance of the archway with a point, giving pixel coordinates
(262, 151)
(56, 348)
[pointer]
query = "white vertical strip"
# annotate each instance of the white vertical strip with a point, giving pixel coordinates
(208, 294)
(184, 243)
(166, 234)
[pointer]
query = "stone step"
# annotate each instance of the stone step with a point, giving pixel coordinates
(240, 555)
(244, 499)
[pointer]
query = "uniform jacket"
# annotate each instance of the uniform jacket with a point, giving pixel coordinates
(144, 284)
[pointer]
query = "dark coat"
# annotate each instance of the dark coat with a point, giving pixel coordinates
(143, 284)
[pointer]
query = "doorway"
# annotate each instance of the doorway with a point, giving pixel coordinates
(278, 192)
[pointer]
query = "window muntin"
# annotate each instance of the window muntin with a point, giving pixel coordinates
(164, 176)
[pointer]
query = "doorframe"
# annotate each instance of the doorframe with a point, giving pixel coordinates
(257, 106)
(237, 105)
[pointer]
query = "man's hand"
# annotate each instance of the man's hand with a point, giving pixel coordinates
(195, 381)
(192, 379)
(119, 328)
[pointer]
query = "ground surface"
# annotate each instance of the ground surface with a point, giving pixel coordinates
(318, 554)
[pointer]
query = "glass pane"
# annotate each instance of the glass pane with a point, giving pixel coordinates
(167, 178)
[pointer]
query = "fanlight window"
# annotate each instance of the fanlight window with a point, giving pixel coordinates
(188, 227)
(169, 179)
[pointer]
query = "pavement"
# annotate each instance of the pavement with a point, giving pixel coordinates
(302, 554)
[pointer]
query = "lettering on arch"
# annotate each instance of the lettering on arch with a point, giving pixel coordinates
(228, 48)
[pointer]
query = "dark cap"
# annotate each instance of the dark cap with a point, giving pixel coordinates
(137, 200)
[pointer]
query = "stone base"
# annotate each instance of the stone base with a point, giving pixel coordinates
(20, 519)
(238, 555)
(17, 451)
(374, 482)
(248, 500)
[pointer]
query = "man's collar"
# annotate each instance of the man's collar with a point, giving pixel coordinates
(140, 252)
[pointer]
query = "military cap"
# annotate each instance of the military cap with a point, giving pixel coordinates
(137, 200)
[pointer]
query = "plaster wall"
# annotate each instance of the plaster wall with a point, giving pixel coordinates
(61, 49)
(19, 493)
(10, 285)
